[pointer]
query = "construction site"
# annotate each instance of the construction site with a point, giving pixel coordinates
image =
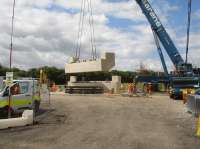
(89, 103)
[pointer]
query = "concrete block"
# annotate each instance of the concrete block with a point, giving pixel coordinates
(116, 86)
(26, 119)
(193, 104)
(116, 79)
(73, 79)
(116, 83)
(105, 63)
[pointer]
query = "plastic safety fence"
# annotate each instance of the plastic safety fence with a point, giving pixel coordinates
(193, 104)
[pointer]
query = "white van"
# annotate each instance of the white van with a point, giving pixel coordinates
(25, 94)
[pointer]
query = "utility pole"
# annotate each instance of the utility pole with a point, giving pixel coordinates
(11, 51)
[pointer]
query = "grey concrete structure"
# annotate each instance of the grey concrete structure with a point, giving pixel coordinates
(114, 85)
(26, 119)
(193, 104)
(73, 79)
(105, 63)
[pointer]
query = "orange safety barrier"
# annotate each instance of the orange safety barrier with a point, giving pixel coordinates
(149, 88)
(187, 92)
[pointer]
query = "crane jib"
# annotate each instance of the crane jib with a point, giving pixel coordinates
(161, 32)
(152, 13)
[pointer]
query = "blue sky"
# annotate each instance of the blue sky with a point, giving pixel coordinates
(179, 18)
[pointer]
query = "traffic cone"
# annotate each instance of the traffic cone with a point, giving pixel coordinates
(198, 128)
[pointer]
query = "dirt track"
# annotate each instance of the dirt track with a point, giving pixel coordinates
(100, 122)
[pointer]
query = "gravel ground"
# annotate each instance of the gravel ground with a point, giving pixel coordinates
(106, 122)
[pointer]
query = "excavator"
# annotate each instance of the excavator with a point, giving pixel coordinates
(184, 76)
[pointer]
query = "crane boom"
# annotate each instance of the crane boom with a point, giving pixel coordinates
(161, 33)
(160, 53)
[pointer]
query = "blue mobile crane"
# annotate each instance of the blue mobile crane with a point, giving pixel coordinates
(184, 76)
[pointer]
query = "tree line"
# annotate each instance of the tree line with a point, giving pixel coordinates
(58, 75)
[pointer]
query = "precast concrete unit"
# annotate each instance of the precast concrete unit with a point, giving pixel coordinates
(105, 63)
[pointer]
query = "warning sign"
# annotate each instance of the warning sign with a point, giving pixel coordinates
(9, 78)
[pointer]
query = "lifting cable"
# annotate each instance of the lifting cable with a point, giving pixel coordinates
(95, 48)
(12, 33)
(91, 35)
(86, 7)
(80, 29)
(91, 22)
(188, 29)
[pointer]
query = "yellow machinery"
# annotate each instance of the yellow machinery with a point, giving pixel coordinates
(186, 92)
(43, 77)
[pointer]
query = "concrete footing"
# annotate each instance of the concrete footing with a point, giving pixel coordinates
(116, 83)
(26, 119)
(105, 63)
(107, 86)
(73, 79)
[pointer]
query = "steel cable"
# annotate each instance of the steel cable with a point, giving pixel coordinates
(188, 29)
(86, 7)
(78, 36)
(93, 34)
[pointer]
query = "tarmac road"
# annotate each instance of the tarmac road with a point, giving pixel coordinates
(107, 122)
